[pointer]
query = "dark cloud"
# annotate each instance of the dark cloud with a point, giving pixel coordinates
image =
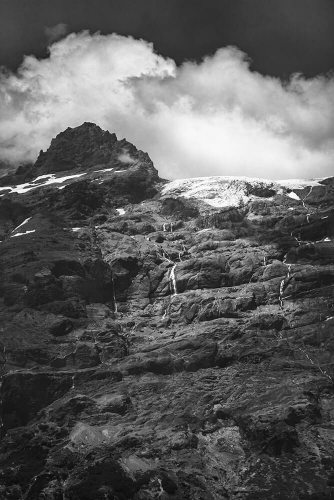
(281, 36)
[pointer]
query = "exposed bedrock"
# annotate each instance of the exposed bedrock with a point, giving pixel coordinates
(163, 340)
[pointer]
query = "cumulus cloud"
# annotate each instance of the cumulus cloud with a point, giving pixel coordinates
(216, 117)
(55, 32)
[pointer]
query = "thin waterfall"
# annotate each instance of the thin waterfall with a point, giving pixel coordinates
(173, 279)
(281, 289)
(1, 390)
(114, 293)
(308, 194)
(167, 226)
(1, 403)
(303, 202)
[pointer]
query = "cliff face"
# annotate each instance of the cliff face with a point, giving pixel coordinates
(163, 340)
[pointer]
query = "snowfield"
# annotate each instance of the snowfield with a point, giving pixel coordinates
(223, 191)
(42, 180)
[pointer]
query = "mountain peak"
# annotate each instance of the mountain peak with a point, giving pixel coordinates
(86, 128)
(90, 154)
(81, 147)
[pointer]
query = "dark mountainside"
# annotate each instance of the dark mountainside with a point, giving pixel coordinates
(153, 346)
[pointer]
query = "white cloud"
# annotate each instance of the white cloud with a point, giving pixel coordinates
(126, 158)
(55, 32)
(212, 118)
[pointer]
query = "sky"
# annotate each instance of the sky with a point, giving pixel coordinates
(221, 87)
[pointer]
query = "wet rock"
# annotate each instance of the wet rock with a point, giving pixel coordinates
(179, 207)
(274, 270)
(104, 476)
(72, 308)
(39, 294)
(86, 356)
(44, 277)
(114, 403)
(60, 327)
(14, 293)
(24, 394)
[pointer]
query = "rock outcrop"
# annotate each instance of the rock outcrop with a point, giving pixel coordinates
(163, 340)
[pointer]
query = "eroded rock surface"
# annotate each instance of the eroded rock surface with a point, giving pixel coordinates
(163, 340)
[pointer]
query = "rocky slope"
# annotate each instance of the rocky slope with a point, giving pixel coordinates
(163, 340)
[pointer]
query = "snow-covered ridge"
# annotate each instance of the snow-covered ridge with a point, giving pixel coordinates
(52, 179)
(23, 234)
(22, 224)
(300, 183)
(223, 191)
(42, 180)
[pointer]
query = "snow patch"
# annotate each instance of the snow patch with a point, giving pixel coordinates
(121, 211)
(47, 179)
(105, 170)
(60, 180)
(222, 191)
(23, 234)
(293, 195)
(22, 224)
(45, 176)
(300, 183)
(7, 188)
(75, 229)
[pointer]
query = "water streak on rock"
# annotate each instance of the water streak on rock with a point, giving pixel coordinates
(114, 294)
(173, 279)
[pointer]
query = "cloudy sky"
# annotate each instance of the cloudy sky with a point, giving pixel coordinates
(221, 87)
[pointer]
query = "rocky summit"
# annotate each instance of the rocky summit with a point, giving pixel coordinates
(163, 340)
